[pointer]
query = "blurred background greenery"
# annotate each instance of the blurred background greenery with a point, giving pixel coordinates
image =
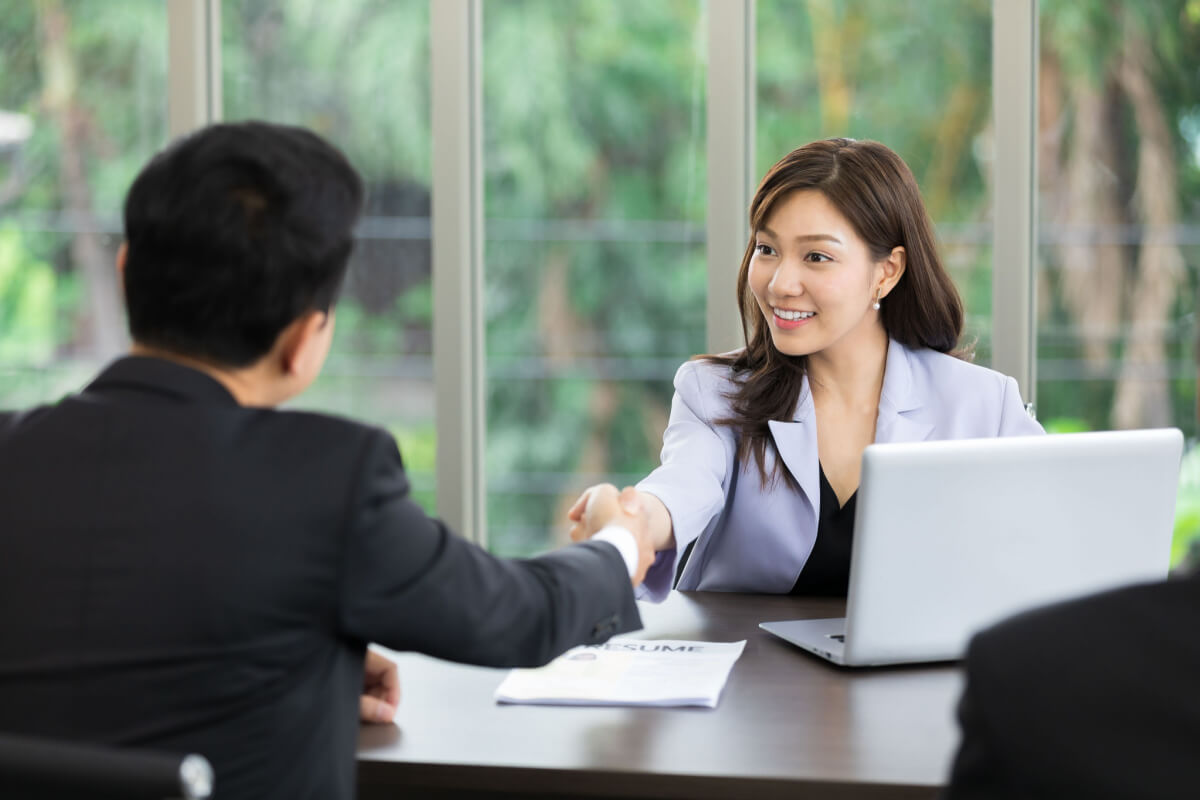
(595, 186)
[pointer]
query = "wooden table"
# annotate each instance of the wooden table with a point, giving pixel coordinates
(788, 725)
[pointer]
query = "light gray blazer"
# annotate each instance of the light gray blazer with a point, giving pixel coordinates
(753, 540)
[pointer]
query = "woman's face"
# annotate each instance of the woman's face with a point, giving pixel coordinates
(814, 278)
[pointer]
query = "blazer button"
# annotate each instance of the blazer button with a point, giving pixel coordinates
(605, 627)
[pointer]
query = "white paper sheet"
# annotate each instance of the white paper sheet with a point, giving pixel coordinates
(627, 672)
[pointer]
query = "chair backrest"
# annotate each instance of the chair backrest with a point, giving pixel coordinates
(36, 768)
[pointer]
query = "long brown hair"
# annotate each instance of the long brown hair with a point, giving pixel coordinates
(876, 192)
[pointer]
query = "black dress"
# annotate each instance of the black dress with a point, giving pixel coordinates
(827, 571)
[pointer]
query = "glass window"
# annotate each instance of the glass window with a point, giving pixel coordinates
(915, 76)
(357, 72)
(594, 159)
(82, 107)
(1119, 228)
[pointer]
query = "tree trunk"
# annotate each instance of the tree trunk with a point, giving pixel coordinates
(953, 137)
(101, 331)
(1141, 396)
(561, 332)
(1051, 155)
(1093, 272)
(832, 41)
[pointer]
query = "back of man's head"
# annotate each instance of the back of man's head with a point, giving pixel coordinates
(233, 233)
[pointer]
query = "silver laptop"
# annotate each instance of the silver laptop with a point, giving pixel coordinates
(952, 536)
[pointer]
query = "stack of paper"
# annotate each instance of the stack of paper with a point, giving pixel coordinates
(627, 672)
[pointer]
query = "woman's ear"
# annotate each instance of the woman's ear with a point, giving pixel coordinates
(892, 269)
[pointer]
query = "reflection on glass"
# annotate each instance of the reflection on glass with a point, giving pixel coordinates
(595, 280)
(1119, 170)
(82, 106)
(357, 72)
(915, 76)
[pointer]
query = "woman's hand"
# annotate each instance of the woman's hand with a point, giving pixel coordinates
(603, 505)
(599, 504)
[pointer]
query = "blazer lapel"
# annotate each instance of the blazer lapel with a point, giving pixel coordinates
(899, 401)
(898, 421)
(796, 442)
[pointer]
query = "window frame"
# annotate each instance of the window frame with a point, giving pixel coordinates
(194, 80)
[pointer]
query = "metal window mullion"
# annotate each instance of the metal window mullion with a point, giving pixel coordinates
(1014, 169)
(730, 156)
(458, 235)
(193, 65)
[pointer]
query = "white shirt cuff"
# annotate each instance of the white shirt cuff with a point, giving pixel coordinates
(620, 537)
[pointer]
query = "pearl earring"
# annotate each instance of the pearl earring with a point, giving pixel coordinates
(875, 305)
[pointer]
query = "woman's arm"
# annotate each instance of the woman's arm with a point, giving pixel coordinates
(1014, 419)
(687, 491)
(662, 533)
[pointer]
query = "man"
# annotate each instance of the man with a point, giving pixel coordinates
(1094, 698)
(183, 568)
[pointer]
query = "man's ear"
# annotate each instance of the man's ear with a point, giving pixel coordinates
(122, 254)
(298, 342)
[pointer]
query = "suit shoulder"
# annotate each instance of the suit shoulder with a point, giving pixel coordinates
(13, 421)
(341, 432)
(945, 367)
(705, 387)
(701, 375)
(1073, 630)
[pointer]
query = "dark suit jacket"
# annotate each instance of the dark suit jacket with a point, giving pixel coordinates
(181, 573)
(1095, 698)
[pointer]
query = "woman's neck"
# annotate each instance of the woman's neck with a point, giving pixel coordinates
(850, 374)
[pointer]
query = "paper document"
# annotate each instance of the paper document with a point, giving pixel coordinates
(627, 672)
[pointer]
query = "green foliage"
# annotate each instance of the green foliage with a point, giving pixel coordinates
(1185, 543)
(28, 316)
(355, 72)
(418, 448)
(875, 69)
(416, 305)
(104, 79)
(603, 132)
(1085, 34)
(594, 117)
(1066, 425)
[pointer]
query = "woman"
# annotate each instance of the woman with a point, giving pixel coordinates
(851, 325)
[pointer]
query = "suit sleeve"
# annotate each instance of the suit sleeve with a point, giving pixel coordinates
(1014, 419)
(979, 772)
(408, 583)
(691, 479)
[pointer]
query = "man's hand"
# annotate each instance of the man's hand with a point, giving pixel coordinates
(381, 689)
(603, 505)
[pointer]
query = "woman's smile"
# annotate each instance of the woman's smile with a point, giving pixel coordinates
(790, 320)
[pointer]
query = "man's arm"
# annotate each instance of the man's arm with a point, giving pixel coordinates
(410, 584)
(979, 771)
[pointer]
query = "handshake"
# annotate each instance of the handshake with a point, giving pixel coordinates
(642, 514)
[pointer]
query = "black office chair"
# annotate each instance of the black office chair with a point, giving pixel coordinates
(40, 769)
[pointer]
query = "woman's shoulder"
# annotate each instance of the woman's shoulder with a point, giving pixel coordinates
(705, 384)
(966, 399)
(941, 367)
(708, 373)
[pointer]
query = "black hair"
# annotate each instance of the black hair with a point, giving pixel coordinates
(233, 233)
